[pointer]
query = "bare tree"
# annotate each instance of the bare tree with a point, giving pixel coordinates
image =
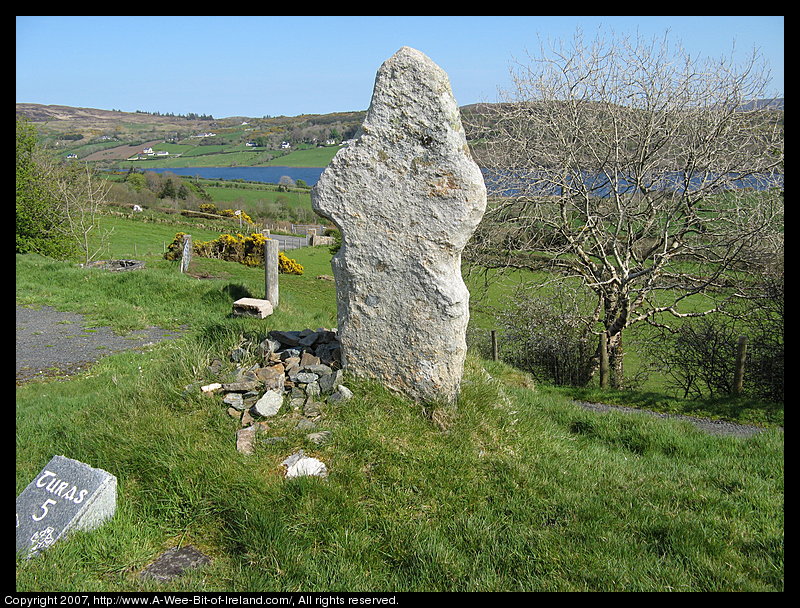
(81, 195)
(620, 163)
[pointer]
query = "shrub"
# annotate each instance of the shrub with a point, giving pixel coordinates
(700, 357)
(40, 214)
(175, 248)
(247, 250)
(288, 265)
(232, 213)
(549, 337)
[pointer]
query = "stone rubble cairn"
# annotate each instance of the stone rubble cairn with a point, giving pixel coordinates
(407, 196)
(298, 368)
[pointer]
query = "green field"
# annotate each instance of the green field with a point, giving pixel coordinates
(518, 489)
(258, 196)
(232, 156)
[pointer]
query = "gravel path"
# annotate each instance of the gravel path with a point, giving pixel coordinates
(715, 427)
(54, 343)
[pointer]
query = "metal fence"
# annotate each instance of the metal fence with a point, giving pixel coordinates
(304, 228)
(290, 242)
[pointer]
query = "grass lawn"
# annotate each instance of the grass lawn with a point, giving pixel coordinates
(518, 489)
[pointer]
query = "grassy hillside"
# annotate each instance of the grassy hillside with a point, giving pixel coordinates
(517, 489)
(109, 137)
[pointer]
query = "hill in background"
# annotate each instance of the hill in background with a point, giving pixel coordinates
(65, 123)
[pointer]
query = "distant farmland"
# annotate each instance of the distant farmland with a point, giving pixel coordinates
(122, 152)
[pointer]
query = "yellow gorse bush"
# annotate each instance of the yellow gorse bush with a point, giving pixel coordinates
(288, 265)
(232, 213)
(247, 250)
(212, 208)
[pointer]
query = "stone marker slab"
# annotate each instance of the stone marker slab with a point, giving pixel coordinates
(186, 255)
(252, 307)
(174, 562)
(66, 495)
(407, 196)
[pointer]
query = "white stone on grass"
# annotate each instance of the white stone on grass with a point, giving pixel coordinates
(252, 307)
(268, 404)
(299, 465)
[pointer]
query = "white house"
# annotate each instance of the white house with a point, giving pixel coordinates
(285, 145)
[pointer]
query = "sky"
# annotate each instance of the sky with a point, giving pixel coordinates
(257, 66)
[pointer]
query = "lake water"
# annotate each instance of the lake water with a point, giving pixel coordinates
(269, 175)
(310, 175)
(600, 185)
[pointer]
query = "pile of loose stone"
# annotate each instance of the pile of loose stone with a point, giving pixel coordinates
(298, 368)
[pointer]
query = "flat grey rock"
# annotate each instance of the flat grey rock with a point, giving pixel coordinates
(66, 495)
(174, 562)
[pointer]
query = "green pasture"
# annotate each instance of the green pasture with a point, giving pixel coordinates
(515, 489)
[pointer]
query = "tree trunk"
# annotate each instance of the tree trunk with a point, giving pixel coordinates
(615, 359)
(604, 368)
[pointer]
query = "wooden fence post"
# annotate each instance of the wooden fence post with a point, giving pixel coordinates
(605, 372)
(271, 271)
(741, 355)
(495, 352)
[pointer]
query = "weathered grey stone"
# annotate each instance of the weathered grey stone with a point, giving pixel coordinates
(318, 369)
(330, 382)
(342, 394)
(329, 353)
(311, 409)
(66, 495)
(312, 390)
(289, 338)
(268, 346)
(240, 387)
(247, 375)
(186, 255)
(215, 366)
(246, 437)
(269, 404)
(174, 562)
(305, 377)
(272, 377)
(245, 440)
(307, 360)
(235, 400)
(406, 196)
(319, 438)
(304, 424)
(270, 440)
(250, 397)
(325, 335)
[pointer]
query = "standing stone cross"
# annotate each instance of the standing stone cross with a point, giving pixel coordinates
(406, 196)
